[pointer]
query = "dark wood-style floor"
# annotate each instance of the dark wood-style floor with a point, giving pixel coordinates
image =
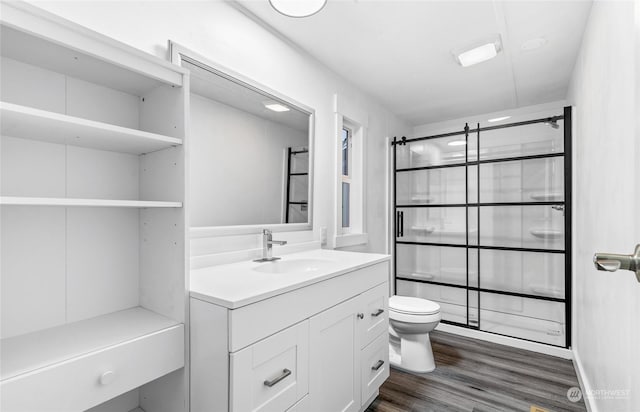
(474, 375)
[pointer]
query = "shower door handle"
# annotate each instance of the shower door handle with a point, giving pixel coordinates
(399, 224)
(611, 262)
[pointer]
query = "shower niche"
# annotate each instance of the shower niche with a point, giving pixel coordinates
(483, 226)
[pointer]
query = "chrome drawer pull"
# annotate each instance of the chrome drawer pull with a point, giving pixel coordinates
(378, 365)
(378, 313)
(285, 373)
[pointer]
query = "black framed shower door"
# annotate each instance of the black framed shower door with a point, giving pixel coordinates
(483, 226)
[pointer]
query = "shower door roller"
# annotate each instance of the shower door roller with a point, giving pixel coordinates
(611, 262)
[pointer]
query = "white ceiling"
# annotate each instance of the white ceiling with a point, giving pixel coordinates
(400, 52)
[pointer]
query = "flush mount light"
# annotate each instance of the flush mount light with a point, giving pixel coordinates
(478, 55)
(275, 106)
(457, 143)
(480, 52)
(499, 119)
(298, 8)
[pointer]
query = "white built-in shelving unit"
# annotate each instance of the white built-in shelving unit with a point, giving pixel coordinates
(92, 221)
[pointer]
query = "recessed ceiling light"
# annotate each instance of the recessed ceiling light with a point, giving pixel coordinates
(275, 106)
(298, 8)
(533, 44)
(499, 119)
(478, 54)
(457, 143)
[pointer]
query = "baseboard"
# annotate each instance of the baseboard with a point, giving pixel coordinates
(585, 385)
(505, 340)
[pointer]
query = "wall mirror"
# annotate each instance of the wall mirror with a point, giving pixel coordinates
(250, 151)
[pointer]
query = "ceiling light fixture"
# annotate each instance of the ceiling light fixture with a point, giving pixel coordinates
(499, 119)
(457, 143)
(275, 106)
(480, 52)
(298, 8)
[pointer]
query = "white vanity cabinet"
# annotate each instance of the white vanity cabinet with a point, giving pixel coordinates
(320, 347)
(343, 352)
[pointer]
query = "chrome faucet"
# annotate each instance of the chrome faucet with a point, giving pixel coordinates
(267, 244)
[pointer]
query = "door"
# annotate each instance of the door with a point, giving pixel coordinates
(607, 204)
(481, 219)
(334, 359)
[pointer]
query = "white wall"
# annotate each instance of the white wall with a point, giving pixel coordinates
(607, 313)
(223, 34)
(237, 165)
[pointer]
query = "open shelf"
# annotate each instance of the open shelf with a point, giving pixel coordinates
(66, 202)
(91, 57)
(35, 124)
(27, 353)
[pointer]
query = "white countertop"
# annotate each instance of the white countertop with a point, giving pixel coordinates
(238, 284)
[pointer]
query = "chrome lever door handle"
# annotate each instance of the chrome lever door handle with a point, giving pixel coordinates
(608, 265)
(611, 262)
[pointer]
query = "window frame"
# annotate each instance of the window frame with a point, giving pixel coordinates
(351, 117)
(346, 178)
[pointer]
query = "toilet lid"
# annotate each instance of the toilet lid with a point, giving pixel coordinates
(410, 305)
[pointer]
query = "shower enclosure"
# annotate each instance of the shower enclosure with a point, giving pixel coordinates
(483, 226)
(296, 206)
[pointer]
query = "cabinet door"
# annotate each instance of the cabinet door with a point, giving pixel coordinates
(374, 307)
(334, 359)
(271, 375)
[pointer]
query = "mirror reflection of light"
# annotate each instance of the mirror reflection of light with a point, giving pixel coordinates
(457, 143)
(276, 107)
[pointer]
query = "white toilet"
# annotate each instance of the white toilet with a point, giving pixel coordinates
(410, 321)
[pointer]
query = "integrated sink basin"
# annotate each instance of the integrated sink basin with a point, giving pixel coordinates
(301, 265)
(240, 284)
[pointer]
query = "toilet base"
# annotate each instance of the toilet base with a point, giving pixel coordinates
(414, 354)
(399, 367)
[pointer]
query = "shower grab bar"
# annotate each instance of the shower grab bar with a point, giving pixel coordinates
(611, 262)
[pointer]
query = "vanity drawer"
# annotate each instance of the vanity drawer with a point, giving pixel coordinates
(272, 374)
(374, 304)
(83, 382)
(253, 322)
(374, 364)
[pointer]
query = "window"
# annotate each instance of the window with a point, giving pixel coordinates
(346, 146)
(350, 174)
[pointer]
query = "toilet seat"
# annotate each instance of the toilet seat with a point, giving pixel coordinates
(412, 306)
